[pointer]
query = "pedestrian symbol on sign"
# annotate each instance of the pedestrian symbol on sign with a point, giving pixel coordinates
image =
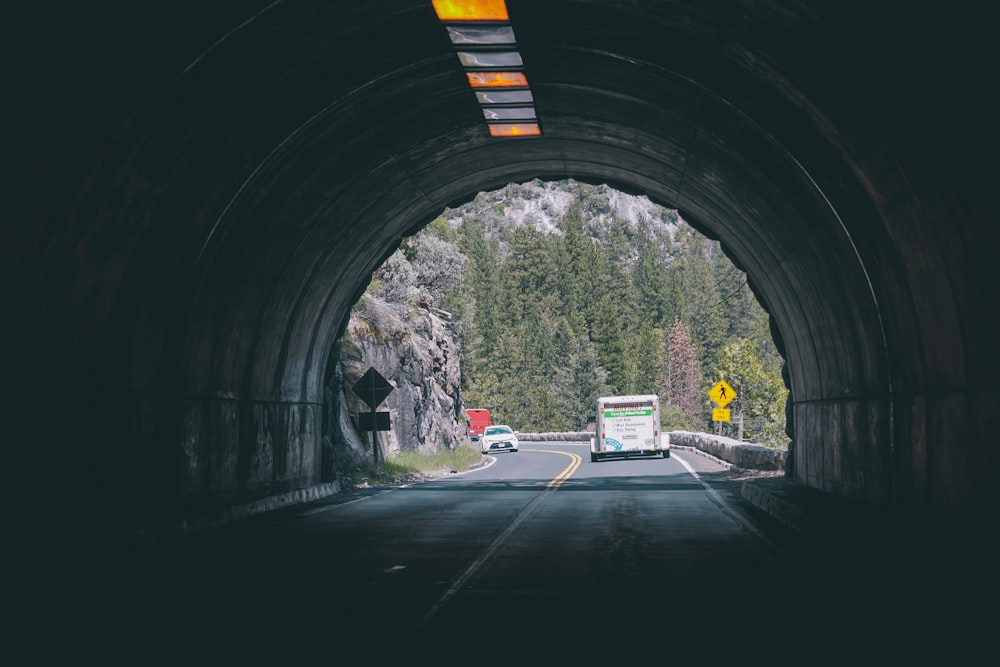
(722, 393)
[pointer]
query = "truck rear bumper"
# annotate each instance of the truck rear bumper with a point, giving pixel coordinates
(629, 454)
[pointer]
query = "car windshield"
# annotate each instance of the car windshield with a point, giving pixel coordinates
(496, 430)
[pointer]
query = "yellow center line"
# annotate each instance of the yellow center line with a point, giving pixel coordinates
(497, 543)
(567, 472)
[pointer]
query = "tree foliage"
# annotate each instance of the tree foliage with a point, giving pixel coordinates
(760, 394)
(573, 301)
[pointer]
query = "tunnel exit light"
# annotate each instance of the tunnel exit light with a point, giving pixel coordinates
(497, 79)
(471, 10)
(483, 39)
(514, 129)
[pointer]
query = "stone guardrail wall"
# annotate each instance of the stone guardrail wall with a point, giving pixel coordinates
(740, 454)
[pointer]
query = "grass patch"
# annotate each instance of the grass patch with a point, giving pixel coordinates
(459, 458)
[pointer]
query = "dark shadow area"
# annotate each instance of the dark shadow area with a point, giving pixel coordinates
(200, 192)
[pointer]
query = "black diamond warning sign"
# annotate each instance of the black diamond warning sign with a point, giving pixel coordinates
(372, 388)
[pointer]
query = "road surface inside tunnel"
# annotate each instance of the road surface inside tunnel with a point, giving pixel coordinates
(554, 553)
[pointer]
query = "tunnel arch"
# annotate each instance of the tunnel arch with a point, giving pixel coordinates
(227, 206)
(387, 220)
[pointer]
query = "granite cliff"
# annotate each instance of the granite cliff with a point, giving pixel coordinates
(419, 355)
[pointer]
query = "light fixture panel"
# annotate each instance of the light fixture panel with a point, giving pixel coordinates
(497, 79)
(483, 39)
(471, 10)
(509, 113)
(514, 130)
(504, 97)
(490, 58)
(475, 35)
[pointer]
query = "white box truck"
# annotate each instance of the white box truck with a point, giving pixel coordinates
(628, 426)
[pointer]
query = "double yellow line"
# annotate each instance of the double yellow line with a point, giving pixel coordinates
(558, 480)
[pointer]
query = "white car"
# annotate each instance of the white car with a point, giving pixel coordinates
(498, 437)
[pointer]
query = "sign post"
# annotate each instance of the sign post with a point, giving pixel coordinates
(372, 388)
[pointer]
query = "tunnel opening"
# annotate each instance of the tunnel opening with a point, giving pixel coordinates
(618, 282)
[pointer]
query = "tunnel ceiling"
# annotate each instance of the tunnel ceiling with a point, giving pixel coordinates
(210, 186)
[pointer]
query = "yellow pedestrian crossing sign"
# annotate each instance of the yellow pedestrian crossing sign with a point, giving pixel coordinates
(722, 393)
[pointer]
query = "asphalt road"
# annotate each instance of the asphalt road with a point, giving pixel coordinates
(540, 554)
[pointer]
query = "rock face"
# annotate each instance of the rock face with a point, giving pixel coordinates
(419, 356)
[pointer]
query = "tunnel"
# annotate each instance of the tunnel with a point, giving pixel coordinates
(202, 191)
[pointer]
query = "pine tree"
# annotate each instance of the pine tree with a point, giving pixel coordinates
(650, 350)
(579, 383)
(650, 277)
(575, 248)
(701, 307)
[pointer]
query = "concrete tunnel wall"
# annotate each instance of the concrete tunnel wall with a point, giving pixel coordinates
(207, 191)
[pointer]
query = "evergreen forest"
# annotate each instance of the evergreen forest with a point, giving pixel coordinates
(562, 292)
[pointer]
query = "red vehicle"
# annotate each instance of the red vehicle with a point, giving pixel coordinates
(477, 419)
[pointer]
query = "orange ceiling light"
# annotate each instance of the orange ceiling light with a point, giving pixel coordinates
(497, 79)
(514, 129)
(471, 10)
